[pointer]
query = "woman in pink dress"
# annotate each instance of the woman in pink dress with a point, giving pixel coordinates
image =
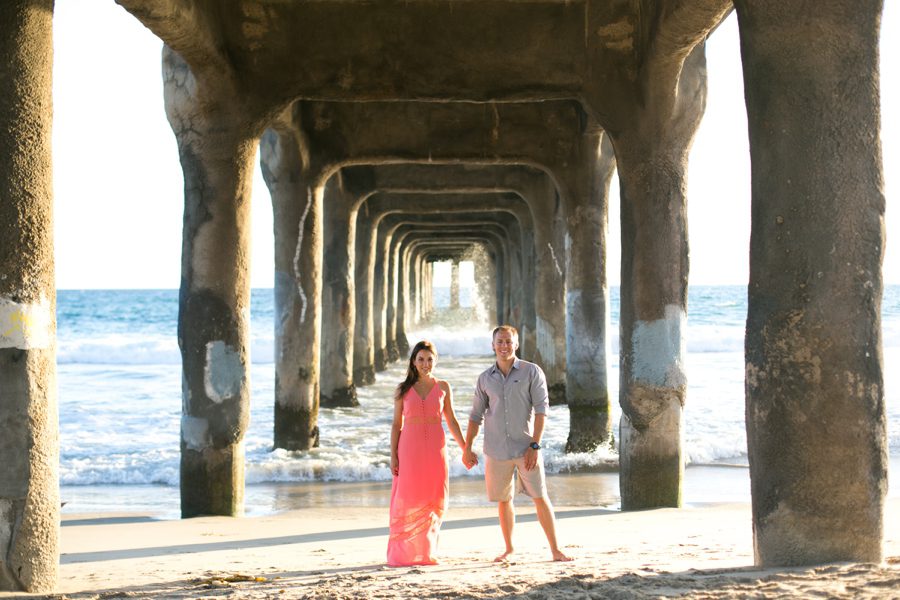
(419, 460)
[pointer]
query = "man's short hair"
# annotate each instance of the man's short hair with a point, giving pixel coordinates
(507, 328)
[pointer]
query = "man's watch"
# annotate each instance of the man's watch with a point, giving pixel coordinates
(534, 446)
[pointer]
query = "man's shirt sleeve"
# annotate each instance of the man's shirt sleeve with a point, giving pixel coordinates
(540, 400)
(479, 402)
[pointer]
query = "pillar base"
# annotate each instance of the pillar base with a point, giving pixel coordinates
(212, 481)
(793, 538)
(29, 484)
(340, 397)
(380, 360)
(588, 426)
(364, 376)
(650, 462)
(392, 353)
(402, 348)
(295, 429)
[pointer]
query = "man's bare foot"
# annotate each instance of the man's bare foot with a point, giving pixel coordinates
(560, 557)
(504, 557)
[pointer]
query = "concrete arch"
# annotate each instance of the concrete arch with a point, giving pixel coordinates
(548, 304)
(343, 134)
(375, 265)
(454, 230)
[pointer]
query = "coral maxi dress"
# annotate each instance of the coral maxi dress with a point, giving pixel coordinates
(419, 492)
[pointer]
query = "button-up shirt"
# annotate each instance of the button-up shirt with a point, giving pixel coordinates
(507, 406)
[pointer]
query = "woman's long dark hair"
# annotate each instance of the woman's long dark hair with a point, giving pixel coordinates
(412, 375)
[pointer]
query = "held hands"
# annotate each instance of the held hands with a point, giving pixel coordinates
(469, 458)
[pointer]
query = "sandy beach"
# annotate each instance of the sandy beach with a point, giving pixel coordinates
(700, 551)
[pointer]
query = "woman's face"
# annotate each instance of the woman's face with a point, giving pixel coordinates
(424, 362)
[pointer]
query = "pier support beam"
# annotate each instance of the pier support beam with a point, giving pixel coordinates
(549, 292)
(297, 209)
(814, 374)
(454, 285)
(29, 439)
(338, 309)
(367, 307)
(384, 298)
(216, 154)
(652, 163)
(587, 295)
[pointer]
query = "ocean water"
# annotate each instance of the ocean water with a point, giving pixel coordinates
(120, 406)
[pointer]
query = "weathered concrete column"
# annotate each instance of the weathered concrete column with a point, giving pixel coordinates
(652, 163)
(454, 284)
(396, 344)
(815, 397)
(428, 286)
(214, 305)
(216, 153)
(527, 332)
(404, 300)
(338, 310)
(417, 287)
(486, 274)
(502, 291)
(380, 291)
(484, 301)
(422, 286)
(587, 295)
(29, 444)
(297, 208)
(549, 295)
(365, 315)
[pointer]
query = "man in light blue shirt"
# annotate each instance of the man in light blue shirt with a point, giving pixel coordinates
(511, 400)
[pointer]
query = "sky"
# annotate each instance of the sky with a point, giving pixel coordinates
(119, 192)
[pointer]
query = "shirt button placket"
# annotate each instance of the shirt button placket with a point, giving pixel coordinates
(424, 424)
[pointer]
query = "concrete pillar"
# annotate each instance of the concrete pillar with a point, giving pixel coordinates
(814, 368)
(214, 305)
(382, 304)
(428, 287)
(395, 343)
(503, 277)
(423, 287)
(405, 301)
(528, 329)
(485, 275)
(415, 288)
(652, 163)
(338, 310)
(549, 296)
(587, 295)
(297, 207)
(414, 296)
(29, 444)
(454, 284)
(364, 282)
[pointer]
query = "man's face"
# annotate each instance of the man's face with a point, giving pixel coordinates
(505, 345)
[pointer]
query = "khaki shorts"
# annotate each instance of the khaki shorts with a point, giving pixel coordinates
(499, 474)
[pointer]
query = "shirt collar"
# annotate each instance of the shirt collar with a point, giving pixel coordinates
(496, 369)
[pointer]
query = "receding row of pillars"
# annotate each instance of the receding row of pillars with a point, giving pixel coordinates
(814, 384)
